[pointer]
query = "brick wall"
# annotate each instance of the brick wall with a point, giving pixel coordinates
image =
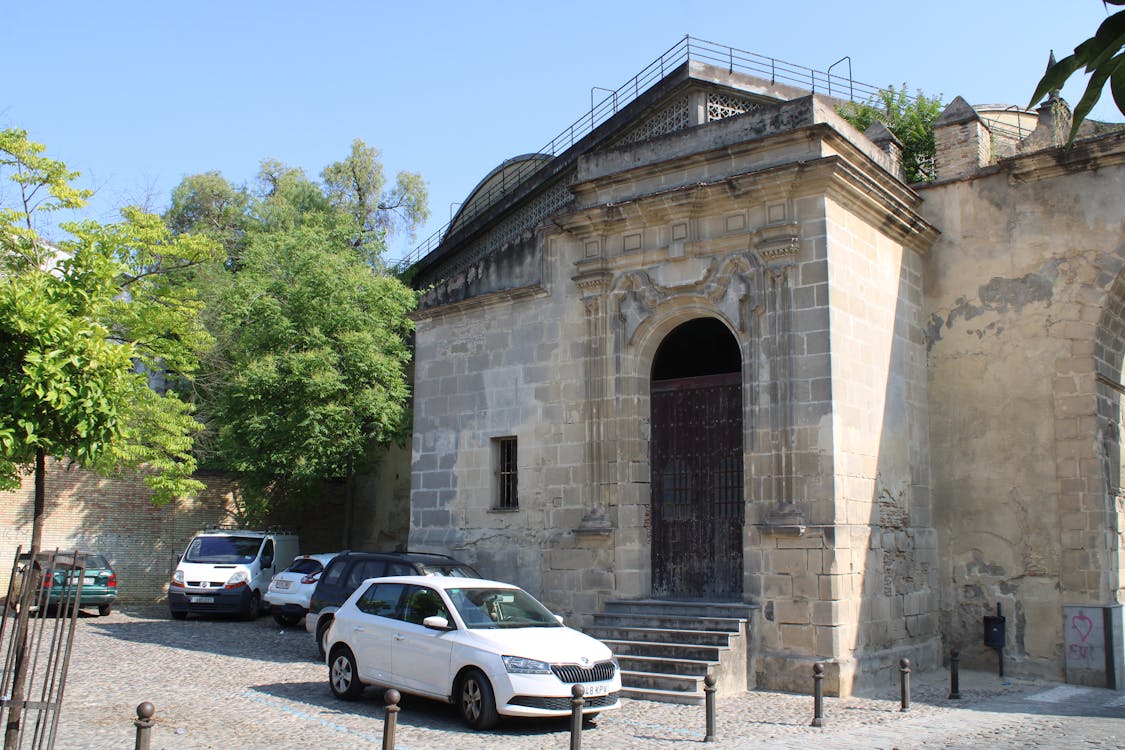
(114, 517)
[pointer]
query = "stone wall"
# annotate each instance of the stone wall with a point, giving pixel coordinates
(1020, 287)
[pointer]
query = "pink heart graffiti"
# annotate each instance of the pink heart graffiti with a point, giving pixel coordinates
(1083, 625)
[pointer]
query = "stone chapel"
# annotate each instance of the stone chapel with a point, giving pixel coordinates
(709, 359)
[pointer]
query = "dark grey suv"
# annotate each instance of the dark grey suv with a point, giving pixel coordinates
(349, 569)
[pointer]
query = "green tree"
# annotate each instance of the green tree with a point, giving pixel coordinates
(310, 367)
(81, 325)
(1102, 58)
(911, 119)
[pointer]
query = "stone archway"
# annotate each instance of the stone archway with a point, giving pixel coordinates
(696, 455)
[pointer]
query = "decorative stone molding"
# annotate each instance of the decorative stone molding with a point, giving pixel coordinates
(777, 244)
(727, 284)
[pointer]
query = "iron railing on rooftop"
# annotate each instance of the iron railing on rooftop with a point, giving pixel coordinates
(687, 49)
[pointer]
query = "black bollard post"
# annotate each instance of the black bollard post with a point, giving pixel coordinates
(818, 694)
(954, 676)
(576, 703)
(390, 717)
(144, 724)
(709, 698)
(904, 671)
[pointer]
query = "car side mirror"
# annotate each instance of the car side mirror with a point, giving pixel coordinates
(437, 622)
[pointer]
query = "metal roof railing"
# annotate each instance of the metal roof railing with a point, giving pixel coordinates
(687, 49)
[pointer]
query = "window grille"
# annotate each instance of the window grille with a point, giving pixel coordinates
(507, 495)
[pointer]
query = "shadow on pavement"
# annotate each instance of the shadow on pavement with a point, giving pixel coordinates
(261, 639)
(315, 699)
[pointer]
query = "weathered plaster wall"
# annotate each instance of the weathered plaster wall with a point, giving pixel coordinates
(1015, 289)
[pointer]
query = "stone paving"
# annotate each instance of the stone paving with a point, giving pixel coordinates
(227, 684)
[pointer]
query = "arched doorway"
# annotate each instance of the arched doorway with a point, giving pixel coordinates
(697, 464)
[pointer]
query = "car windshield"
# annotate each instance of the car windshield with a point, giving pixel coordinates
(453, 571)
(223, 549)
(501, 608)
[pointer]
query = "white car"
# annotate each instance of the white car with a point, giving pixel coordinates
(287, 597)
(488, 647)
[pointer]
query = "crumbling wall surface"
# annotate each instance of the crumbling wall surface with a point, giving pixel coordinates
(1016, 292)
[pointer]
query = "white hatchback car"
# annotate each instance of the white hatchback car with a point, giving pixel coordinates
(488, 647)
(287, 597)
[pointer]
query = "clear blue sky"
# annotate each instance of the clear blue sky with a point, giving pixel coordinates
(137, 95)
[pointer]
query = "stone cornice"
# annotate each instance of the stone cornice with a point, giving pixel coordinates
(491, 299)
(859, 184)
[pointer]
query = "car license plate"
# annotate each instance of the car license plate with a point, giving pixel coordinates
(282, 584)
(88, 581)
(201, 599)
(595, 690)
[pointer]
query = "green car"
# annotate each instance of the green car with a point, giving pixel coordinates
(99, 585)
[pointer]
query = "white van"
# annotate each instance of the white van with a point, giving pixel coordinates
(226, 571)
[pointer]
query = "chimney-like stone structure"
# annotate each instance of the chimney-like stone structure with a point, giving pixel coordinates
(963, 142)
(878, 134)
(1055, 120)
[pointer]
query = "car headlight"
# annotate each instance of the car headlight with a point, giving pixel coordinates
(522, 665)
(238, 579)
(178, 578)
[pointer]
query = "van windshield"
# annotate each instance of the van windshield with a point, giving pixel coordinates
(223, 549)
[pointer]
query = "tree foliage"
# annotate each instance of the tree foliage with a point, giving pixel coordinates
(1102, 57)
(82, 324)
(911, 119)
(310, 364)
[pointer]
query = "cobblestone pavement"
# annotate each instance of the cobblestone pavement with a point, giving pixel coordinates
(227, 684)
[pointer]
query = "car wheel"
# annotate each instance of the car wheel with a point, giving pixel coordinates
(103, 610)
(322, 626)
(178, 615)
(286, 621)
(476, 700)
(343, 675)
(254, 608)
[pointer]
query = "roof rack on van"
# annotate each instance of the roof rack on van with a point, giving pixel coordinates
(236, 527)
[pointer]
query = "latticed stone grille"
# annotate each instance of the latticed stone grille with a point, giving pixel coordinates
(676, 116)
(532, 212)
(725, 105)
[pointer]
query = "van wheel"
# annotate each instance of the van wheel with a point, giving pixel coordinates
(254, 608)
(476, 700)
(343, 675)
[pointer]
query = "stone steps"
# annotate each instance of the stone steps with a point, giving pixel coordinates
(666, 648)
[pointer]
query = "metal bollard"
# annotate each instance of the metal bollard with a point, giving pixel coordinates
(904, 670)
(576, 704)
(709, 699)
(390, 717)
(818, 694)
(954, 674)
(144, 724)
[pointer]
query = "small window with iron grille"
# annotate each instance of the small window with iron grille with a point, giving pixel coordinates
(504, 465)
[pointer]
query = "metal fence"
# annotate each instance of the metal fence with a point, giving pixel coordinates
(36, 635)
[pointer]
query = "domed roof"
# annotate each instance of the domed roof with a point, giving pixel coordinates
(509, 174)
